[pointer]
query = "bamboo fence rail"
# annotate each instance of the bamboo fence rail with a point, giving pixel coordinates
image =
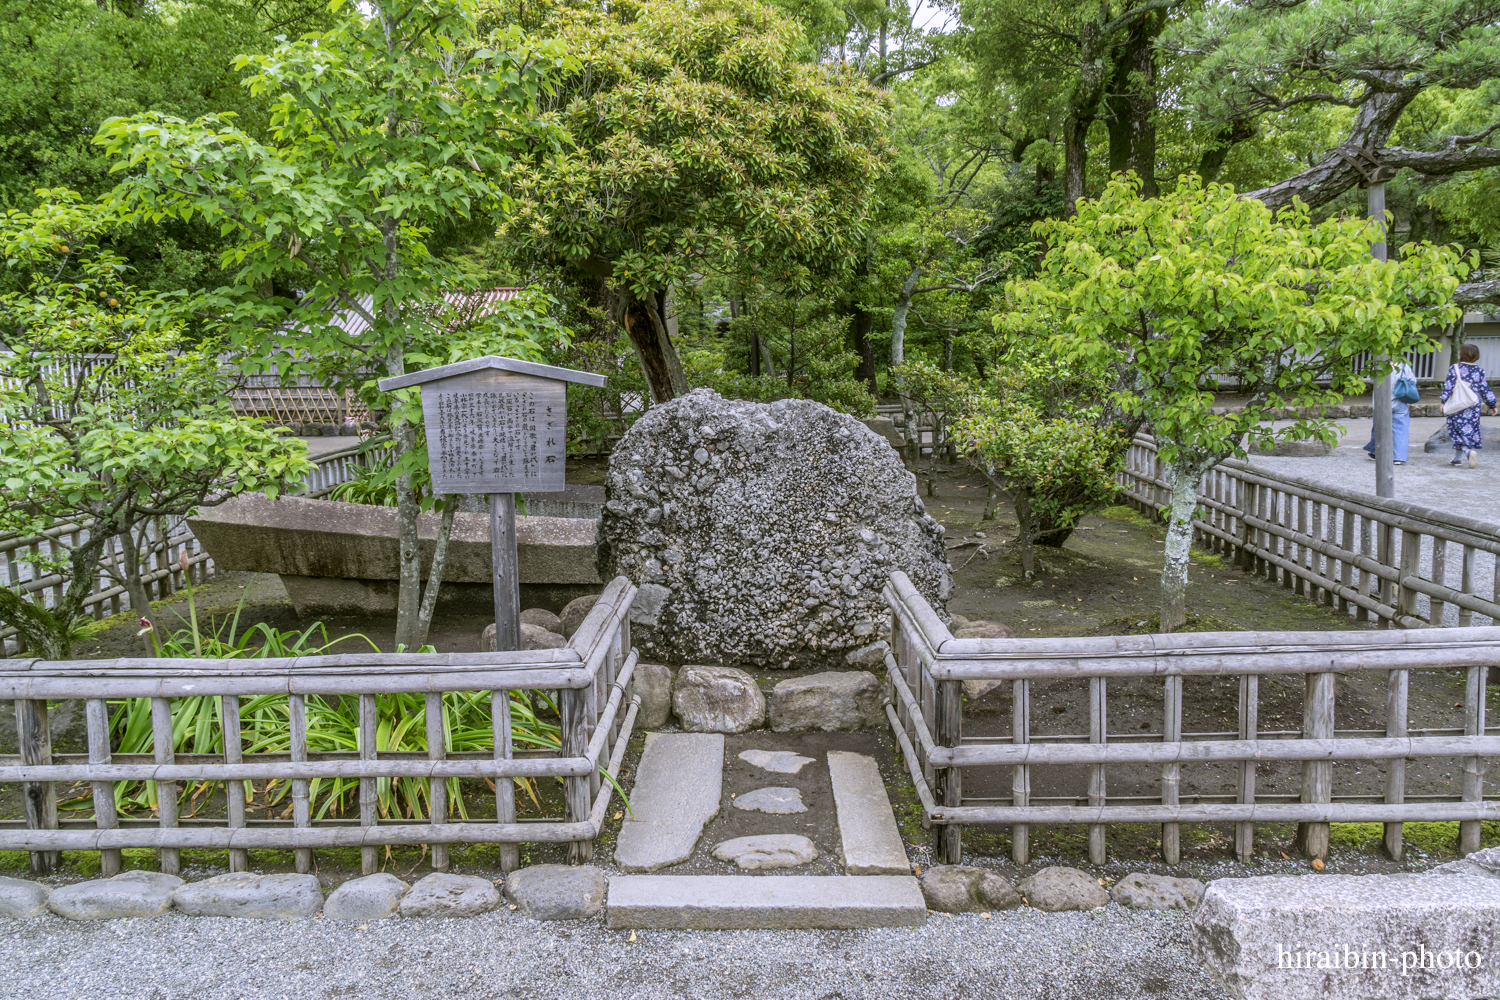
(591, 677)
(926, 668)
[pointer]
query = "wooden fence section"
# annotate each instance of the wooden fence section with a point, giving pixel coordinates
(166, 540)
(1378, 559)
(590, 676)
(927, 667)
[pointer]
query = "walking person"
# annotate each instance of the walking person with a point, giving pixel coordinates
(1402, 385)
(1468, 380)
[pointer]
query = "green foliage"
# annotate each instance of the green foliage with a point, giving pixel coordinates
(804, 353)
(932, 397)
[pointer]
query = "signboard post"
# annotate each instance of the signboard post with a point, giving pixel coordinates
(498, 426)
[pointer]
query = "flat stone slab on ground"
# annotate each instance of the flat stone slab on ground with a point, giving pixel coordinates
(768, 850)
(1351, 936)
(1140, 891)
(20, 898)
(556, 892)
(131, 894)
(444, 895)
(745, 902)
(962, 889)
(775, 761)
(867, 826)
(834, 700)
(372, 897)
(1057, 889)
(678, 785)
(246, 894)
(776, 800)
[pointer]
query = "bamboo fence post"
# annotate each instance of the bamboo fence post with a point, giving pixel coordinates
(1387, 557)
(1241, 527)
(1020, 782)
(1171, 774)
(301, 804)
(572, 705)
(1098, 733)
(1474, 724)
(96, 725)
(950, 845)
(1262, 507)
(1435, 605)
(437, 788)
(234, 791)
(1362, 575)
(1397, 686)
(1466, 584)
(1303, 556)
(505, 788)
(34, 735)
(1409, 564)
(369, 789)
(1244, 833)
(1346, 542)
(591, 706)
(1317, 775)
(166, 791)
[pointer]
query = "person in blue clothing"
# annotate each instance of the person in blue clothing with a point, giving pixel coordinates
(1463, 426)
(1400, 413)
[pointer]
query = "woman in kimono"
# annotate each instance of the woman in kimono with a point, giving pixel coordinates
(1463, 426)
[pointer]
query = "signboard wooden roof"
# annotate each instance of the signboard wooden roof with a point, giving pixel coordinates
(488, 362)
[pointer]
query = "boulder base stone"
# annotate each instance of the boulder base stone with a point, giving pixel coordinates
(1057, 889)
(1140, 891)
(775, 761)
(837, 700)
(1396, 937)
(532, 637)
(778, 801)
(575, 612)
(20, 898)
(1441, 441)
(983, 630)
(542, 618)
(131, 894)
(1483, 864)
(444, 895)
(653, 682)
(962, 889)
(769, 530)
(556, 892)
(245, 894)
(717, 700)
(372, 897)
(871, 657)
(771, 850)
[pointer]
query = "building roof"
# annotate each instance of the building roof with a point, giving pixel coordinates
(490, 361)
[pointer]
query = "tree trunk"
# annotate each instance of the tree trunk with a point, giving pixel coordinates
(135, 588)
(862, 325)
(434, 575)
(408, 507)
(1132, 103)
(1075, 164)
(898, 317)
(647, 329)
(1026, 535)
(1184, 483)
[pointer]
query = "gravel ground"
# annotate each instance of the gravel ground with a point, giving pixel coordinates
(1114, 954)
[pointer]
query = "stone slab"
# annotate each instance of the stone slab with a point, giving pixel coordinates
(749, 902)
(245, 894)
(867, 825)
(777, 800)
(768, 850)
(678, 785)
(775, 761)
(1389, 936)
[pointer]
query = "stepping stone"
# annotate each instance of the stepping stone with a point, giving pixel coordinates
(775, 761)
(246, 894)
(771, 850)
(867, 825)
(778, 801)
(678, 786)
(750, 902)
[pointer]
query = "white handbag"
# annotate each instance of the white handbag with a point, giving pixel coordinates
(1462, 398)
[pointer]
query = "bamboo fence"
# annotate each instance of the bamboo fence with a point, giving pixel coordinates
(591, 677)
(927, 667)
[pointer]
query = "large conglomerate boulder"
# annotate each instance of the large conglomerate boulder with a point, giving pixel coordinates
(762, 534)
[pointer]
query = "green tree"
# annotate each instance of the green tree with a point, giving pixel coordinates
(390, 123)
(108, 418)
(693, 141)
(1203, 284)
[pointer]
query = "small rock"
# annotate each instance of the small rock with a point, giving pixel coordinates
(717, 700)
(957, 623)
(556, 892)
(444, 895)
(775, 761)
(650, 598)
(1056, 889)
(132, 894)
(962, 889)
(870, 657)
(653, 682)
(778, 801)
(369, 898)
(1483, 864)
(1140, 891)
(837, 700)
(575, 612)
(985, 630)
(245, 894)
(774, 850)
(543, 618)
(20, 898)
(536, 637)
